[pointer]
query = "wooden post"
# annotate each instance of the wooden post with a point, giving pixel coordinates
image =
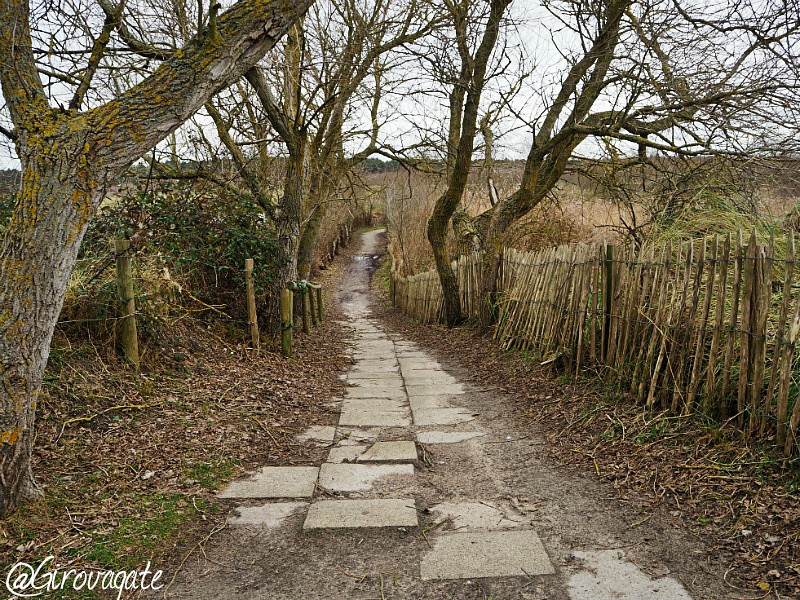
(320, 312)
(287, 323)
(128, 337)
(304, 308)
(608, 290)
(251, 302)
(312, 307)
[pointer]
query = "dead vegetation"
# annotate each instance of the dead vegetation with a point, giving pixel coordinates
(130, 463)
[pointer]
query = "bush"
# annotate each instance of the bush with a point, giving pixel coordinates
(201, 238)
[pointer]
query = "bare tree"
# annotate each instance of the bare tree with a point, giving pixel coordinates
(654, 77)
(69, 159)
(464, 105)
(648, 79)
(335, 65)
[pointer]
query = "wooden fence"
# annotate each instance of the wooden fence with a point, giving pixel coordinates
(706, 326)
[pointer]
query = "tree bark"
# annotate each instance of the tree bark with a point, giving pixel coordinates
(69, 159)
(308, 241)
(458, 176)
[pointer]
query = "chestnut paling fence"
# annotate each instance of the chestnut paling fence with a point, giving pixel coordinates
(705, 325)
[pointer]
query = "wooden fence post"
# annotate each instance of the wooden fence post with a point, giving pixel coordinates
(304, 291)
(320, 312)
(251, 302)
(608, 290)
(312, 306)
(287, 323)
(128, 337)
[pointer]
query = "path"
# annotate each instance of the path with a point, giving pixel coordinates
(429, 491)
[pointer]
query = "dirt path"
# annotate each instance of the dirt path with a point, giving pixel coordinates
(431, 491)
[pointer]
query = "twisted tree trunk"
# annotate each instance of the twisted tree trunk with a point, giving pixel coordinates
(69, 159)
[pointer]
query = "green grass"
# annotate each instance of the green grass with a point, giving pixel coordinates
(212, 475)
(135, 539)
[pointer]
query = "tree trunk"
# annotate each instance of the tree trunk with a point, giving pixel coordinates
(493, 244)
(288, 217)
(437, 236)
(33, 282)
(68, 161)
(308, 241)
(461, 159)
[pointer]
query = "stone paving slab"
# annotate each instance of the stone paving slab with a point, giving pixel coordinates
(441, 416)
(346, 477)
(383, 367)
(355, 435)
(275, 482)
(470, 516)
(268, 515)
(427, 380)
(452, 389)
(346, 453)
(417, 354)
(321, 434)
(416, 364)
(398, 451)
(428, 402)
(376, 392)
(360, 376)
(486, 554)
(375, 405)
(446, 437)
(387, 380)
(361, 513)
(608, 576)
(371, 418)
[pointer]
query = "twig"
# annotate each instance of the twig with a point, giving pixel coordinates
(102, 412)
(266, 429)
(185, 558)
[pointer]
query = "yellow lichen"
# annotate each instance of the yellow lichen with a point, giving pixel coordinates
(9, 437)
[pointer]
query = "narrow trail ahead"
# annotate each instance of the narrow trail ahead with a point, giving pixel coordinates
(431, 491)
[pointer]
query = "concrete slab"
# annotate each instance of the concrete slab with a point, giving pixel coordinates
(376, 405)
(441, 416)
(268, 515)
(428, 402)
(357, 478)
(476, 516)
(377, 362)
(361, 513)
(416, 364)
(387, 380)
(319, 434)
(356, 375)
(377, 369)
(390, 452)
(368, 418)
(355, 436)
(486, 554)
(413, 380)
(346, 453)
(452, 389)
(275, 482)
(446, 437)
(376, 392)
(411, 353)
(609, 576)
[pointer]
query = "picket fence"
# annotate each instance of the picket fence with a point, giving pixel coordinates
(706, 326)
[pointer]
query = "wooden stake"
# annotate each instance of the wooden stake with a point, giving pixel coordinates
(251, 302)
(287, 301)
(304, 309)
(127, 300)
